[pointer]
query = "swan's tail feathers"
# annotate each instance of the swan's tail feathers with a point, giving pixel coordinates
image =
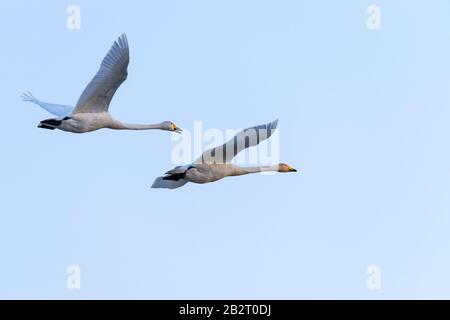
(50, 124)
(168, 182)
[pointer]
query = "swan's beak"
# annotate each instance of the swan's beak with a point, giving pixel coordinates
(292, 169)
(177, 129)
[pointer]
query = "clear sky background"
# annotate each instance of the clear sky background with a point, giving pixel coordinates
(363, 114)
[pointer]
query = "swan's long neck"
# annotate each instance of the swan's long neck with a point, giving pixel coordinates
(239, 171)
(126, 126)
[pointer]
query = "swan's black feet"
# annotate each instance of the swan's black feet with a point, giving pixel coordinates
(51, 124)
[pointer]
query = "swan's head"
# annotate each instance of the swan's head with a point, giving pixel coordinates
(170, 126)
(283, 167)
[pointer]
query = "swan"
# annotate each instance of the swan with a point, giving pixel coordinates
(214, 164)
(91, 111)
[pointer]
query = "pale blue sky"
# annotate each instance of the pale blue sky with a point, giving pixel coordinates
(363, 114)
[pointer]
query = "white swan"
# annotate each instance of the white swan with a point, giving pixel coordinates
(214, 164)
(91, 112)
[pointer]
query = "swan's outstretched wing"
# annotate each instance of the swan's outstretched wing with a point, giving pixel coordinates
(56, 109)
(112, 73)
(245, 139)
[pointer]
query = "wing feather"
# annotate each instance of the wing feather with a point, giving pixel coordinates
(245, 139)
(112, 73)
(59, 110)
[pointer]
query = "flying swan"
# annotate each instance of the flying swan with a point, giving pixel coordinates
(215, 164)
(91, 111)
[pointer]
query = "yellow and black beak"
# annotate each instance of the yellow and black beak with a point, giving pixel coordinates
(177, 129)
(292, 169)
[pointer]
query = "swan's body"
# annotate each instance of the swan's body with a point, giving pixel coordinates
(91, 111)
(86, 122)
(214, 164)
